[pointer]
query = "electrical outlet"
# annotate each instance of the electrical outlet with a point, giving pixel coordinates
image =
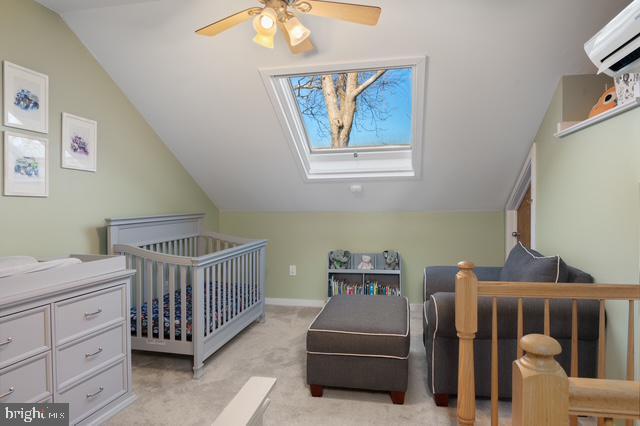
(292, 270)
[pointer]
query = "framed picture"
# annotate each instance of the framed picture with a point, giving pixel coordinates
(79, 143)
(26, 99)
(26, 165)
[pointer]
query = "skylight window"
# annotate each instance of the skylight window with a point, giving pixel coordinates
(352, 121)
(370, 108)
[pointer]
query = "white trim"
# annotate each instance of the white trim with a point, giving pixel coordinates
(370, 164)
(303, 303)
(359, 355)
(359, 333)
(433, 348)
(526, 178)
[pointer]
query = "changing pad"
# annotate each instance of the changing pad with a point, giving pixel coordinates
(14, 265)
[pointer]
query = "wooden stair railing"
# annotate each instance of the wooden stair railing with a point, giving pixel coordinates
(544, 395)
(468, 289)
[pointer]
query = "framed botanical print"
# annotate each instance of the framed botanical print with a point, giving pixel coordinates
(26, 98)
(79, 143)
(26, 165)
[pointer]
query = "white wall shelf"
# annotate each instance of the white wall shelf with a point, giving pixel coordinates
(566, 128)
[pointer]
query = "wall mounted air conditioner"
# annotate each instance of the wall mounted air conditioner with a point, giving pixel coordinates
(616, 47)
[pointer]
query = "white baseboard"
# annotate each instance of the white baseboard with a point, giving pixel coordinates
(305, 303)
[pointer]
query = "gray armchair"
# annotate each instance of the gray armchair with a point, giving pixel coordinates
(441, 340)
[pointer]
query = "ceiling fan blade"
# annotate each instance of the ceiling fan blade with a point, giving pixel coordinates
(304, 47)
(360, 14)
(228, 22)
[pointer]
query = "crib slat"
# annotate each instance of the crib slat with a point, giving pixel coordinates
(257, 277)
(218, 290)
(172, 302)
(183, 303)
(207, 306)
(138, 297)
(254, 287)
(245, 278)
(230, 289)
(148, 278)
(234, 288)
(160, 289)
(225, 291)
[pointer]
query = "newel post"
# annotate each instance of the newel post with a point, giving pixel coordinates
(540, 385)
(466, 327)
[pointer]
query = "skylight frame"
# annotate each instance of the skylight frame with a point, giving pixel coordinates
(362, 163)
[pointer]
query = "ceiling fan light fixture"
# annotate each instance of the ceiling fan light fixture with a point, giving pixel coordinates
(297, 32)
(265, 26)
(266, 21)
(267, 41)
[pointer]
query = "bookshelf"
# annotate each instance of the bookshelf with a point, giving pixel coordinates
(377, 281)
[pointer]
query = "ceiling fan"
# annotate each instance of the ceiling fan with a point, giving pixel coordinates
(277, 14)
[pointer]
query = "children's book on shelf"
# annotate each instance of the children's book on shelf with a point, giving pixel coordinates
(369, 288)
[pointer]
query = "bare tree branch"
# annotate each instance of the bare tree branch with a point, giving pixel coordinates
(368, 83)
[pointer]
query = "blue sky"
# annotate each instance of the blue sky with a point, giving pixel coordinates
(394, 128)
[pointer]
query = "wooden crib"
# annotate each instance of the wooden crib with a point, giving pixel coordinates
(193, 290)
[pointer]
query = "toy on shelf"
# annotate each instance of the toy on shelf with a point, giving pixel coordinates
(608, 100)
(366, 262)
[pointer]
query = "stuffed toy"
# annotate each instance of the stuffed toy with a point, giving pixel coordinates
(366, 262)
(339, 259)
(391, 259)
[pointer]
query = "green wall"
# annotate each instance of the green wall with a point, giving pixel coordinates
(423, 239)
(588, 205)
(137, 174)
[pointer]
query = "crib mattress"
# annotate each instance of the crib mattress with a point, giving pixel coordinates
(216, 318)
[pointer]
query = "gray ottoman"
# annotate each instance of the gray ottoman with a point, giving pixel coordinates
(360, 342)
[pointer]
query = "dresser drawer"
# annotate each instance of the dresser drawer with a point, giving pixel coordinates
(82, 315)
(26, 381)
(89, 354)
(23, 335)
(91, 395)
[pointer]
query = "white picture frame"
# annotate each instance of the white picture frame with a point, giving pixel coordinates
(79, 149)
(26, 165)
(26, 98)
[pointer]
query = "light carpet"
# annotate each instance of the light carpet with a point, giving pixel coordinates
(168, 395)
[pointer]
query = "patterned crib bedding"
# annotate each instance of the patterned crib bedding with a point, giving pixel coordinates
(215, 318)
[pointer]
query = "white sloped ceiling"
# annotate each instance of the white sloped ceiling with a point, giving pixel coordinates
(493, 66)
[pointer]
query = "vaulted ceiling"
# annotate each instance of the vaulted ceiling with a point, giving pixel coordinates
(493, 66)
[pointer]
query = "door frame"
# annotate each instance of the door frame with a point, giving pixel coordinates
(526, 177)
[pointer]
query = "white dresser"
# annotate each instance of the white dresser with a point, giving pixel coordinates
(64, 337)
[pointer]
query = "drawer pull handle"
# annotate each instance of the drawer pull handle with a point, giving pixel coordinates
(96, 393)
(89, 355)
(9, 392)
(6, 342)
(92, 314)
